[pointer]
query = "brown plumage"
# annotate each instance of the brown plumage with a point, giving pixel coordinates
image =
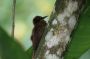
(38, 30)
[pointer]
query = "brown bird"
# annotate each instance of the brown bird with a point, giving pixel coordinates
(38, 30)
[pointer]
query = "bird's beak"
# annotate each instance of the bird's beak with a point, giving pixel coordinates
(45, 17)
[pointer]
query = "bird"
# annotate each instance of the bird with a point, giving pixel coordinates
(38, 30)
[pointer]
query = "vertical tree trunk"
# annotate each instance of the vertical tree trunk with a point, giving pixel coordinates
(57, 35)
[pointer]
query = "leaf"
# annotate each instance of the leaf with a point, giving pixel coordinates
(81, 36)
(9, 48)
(86, 55)
(30, 52)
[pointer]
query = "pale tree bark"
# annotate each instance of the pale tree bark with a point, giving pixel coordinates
(57, 35)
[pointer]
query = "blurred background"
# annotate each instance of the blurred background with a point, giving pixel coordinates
(26, 10)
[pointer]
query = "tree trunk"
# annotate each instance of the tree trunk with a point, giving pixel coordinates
(57, 35)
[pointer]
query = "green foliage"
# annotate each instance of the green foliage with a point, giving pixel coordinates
(9, 48)
(30, 52)
(86, 55)
(81, 36)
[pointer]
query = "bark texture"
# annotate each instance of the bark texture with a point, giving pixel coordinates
(57, 35)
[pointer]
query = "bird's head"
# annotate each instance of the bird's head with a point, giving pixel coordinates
(37, 19)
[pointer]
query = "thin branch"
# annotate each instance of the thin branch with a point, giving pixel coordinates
(13, 17)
